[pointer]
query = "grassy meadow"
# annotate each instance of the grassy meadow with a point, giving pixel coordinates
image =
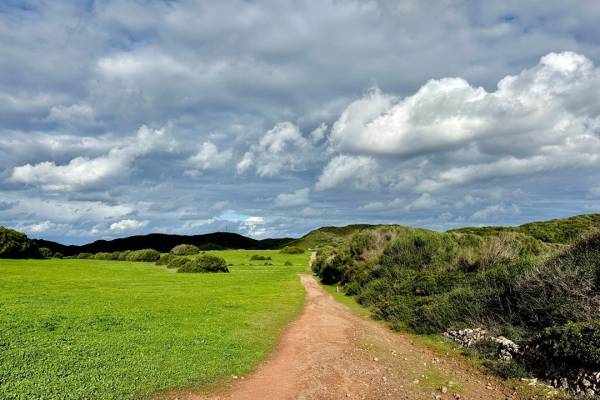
(80, 329)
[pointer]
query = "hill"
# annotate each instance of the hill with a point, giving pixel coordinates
(329, 235)
(562, 230)
(165, 242)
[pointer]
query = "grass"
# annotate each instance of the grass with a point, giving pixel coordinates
(80, 329)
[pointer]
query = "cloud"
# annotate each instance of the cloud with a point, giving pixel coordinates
(127, 225)
(281, 149)
(83, 172)
(359, 172)
(544, 118)
(209, 157)
(294, 199)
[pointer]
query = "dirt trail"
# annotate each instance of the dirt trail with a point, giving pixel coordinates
(331, 353)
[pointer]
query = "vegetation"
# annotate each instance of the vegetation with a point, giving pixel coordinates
(292, 250)
(205, 263)
(120, 330)
(185, 250)
(14, 244)
(258, 257)
(147, 255)
(45, 252)
(524, 283)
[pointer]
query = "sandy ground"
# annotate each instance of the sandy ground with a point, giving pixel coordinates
(331, 353)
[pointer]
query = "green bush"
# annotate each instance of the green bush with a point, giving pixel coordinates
(292, 250)
(103, 256)
(145, 255)
(258, 257)
(45, 252)
(85, 256)
(185, 250)
(288, 264)
(165, 259)
(58, 255)
(573, 345)
(177, 262)
(123, 255)
(564, 288)
(15, 244)
(205, 263)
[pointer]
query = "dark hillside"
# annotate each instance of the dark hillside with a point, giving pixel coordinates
(165, 242)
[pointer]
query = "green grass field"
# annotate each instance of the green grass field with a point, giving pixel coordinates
(82, 329)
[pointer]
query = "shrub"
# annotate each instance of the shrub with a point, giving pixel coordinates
(185, 250)
(123, 255)
(165, 259)
(177, 262)
(292, 250)
(205, 263)
(572, 345)
(45, 252)
(15, 244)
(145, 255)
(287, 264)
(257, 257)
(103, 256)
(85, 256)
(564, 288)
(58, 255)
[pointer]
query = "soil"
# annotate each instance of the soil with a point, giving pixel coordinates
(331, 353)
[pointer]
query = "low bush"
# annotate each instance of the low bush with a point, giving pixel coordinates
(165, 259)
(292, 250)
(123, 255)
(145, 255)
(45, 252)
(177, 262)
(205, 263)
(103, 256)
(185, 250)
(564, 288)
(85, 256)
(288, 264)
(15, 244)
(573, 345)
(258, 257)
(58, 255)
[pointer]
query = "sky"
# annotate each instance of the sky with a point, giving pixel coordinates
(272, 118)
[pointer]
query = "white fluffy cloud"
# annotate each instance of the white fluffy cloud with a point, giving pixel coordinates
(82, 172)
(298, 198)
(281, 149)
(546, 117)
(353, 171)
(209, 157)
(127, 225)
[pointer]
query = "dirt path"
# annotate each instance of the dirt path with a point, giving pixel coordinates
(330, 353)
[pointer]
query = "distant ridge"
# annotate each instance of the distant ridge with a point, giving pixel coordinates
(164, 242)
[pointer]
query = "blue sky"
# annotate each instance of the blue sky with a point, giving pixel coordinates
(271, 118)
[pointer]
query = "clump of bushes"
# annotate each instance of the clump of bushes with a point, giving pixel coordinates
(104, 256)
(288, 264)
(292, 250)
(58, 255)
(84, 256)
(15, 244)
(258, 257)
(165, 259)
(177, 262)
(45, 252)
(573, 345)
(145, 255)
(185, 250)
(205, 263)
